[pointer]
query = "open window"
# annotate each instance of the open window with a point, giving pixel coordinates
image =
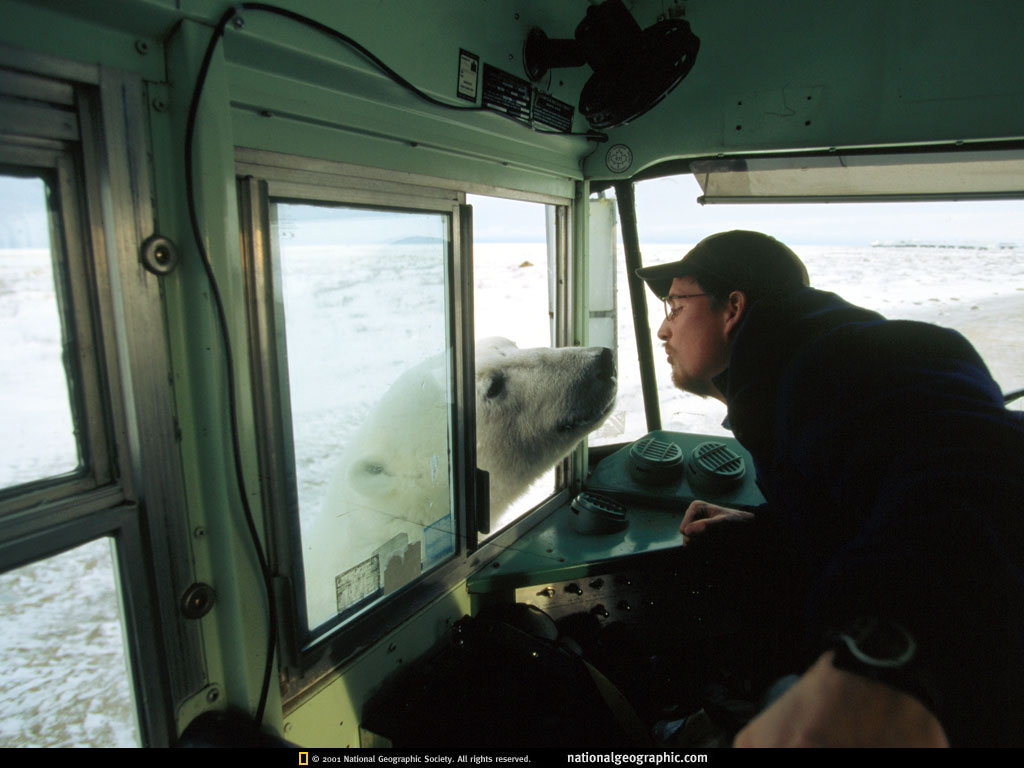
(520, 253)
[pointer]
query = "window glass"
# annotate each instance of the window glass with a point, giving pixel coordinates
(39, 431)
(362, 307)
(65, 681)
(513, 268)
(955, 264)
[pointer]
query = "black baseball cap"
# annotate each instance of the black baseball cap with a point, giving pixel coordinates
(752, 262)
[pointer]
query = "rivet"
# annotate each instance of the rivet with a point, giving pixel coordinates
(159, 255)
(197, 601)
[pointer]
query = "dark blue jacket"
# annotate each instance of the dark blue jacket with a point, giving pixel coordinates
(895, 475)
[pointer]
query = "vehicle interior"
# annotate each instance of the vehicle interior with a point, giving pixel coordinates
(253, 260)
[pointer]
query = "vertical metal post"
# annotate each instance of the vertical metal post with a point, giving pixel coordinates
(641, 322)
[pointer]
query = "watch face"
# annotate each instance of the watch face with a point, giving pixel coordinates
(879, 643)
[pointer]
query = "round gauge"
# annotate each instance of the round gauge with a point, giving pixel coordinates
(618, 158)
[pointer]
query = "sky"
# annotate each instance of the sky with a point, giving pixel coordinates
(668, 212)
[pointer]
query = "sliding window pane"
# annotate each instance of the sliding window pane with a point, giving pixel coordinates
(364, 315)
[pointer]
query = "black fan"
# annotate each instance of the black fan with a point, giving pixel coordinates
(634, 69)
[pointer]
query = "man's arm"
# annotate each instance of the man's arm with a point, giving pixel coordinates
(829, 707)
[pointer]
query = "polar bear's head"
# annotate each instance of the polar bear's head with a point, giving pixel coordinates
(533, 406)
(391, 485)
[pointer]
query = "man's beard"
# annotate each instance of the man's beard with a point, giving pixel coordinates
(689, 384)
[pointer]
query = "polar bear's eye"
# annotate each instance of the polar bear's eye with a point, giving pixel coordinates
(496, 387)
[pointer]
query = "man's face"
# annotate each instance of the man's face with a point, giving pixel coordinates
(696, 339)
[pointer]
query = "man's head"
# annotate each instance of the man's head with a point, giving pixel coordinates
(751, 262)
(708, 292)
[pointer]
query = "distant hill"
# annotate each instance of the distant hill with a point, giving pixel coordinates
(418, 240)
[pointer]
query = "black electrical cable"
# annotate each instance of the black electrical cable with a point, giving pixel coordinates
(193, 111)
(397, 78)
(229, 359)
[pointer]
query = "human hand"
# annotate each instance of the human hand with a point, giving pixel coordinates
(701, 515)
(830, 707)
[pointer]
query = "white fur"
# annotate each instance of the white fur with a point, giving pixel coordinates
(532, 407)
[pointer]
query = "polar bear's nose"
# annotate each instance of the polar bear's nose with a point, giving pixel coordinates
(605, 363)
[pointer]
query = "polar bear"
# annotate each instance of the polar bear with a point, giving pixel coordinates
(386, 512)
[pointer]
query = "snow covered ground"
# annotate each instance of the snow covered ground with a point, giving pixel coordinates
(65, 683)
(60, 637)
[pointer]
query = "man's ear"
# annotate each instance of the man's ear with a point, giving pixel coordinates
(736, 307)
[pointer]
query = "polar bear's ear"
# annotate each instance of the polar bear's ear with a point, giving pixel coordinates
(370, 477)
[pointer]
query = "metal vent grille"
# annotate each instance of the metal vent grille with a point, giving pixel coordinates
(592, 513)
(715, 466)
(655, 461)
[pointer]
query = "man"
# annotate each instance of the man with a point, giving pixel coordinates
(893, 476)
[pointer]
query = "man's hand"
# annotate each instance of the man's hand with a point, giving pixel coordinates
(700, 516)
(829, 707)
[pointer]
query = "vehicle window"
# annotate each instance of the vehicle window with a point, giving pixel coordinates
(82, 348)
(39, 429)
(66, 680)
(363, 318)
(956, 264)
(513, 272)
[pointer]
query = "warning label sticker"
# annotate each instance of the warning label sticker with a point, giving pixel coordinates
(357, 583)
(506, 93)
(553, 113)
(469, 75)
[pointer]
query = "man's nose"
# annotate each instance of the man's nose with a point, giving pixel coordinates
(663, 330)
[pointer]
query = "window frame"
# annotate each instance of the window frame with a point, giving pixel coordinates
(257, 188)
(54, 162)
(85, 127)
(307, 656)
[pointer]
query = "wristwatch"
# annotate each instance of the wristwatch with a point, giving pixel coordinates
(883, 650)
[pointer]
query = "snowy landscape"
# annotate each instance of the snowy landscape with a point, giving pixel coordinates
(61, 643)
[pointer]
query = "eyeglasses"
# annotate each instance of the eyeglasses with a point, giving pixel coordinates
(671, 312)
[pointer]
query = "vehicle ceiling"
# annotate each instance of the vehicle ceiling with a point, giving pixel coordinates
(799, 76)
